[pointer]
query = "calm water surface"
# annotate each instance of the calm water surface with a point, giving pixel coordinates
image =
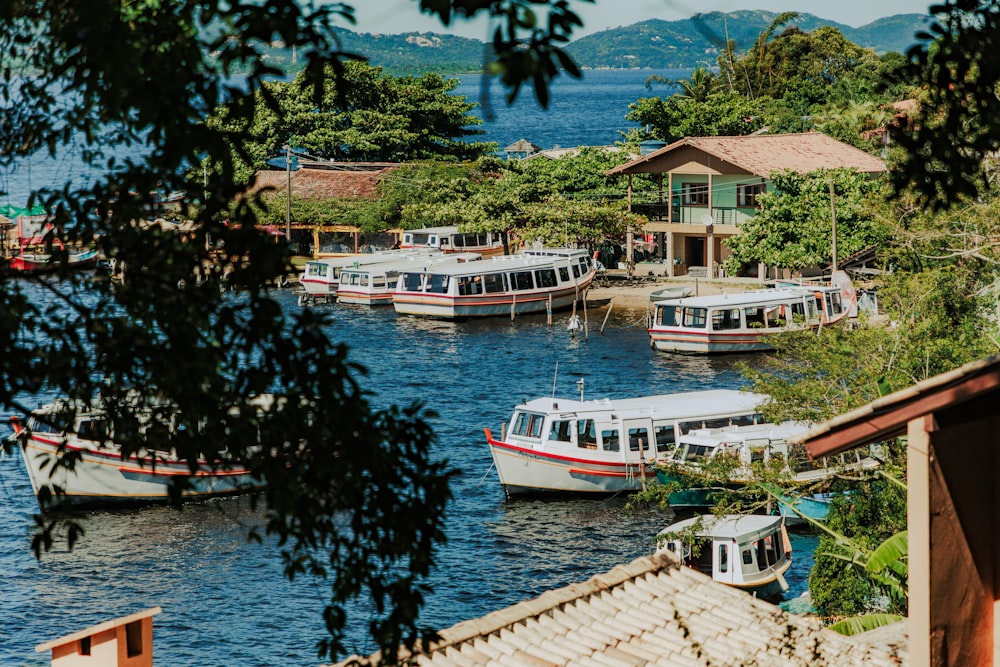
(225, 601)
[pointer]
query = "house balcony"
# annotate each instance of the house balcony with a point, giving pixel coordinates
(658, 210)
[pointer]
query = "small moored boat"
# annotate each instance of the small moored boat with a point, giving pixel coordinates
(534, 281)
(41, 262)
(749, 552)
(372, 284)
(101, 476)
(449, 239)
(558, 445)
(321, 277)
(743, 322)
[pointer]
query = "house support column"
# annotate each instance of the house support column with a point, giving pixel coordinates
(709, 237)
(670, 254)
(629, 255)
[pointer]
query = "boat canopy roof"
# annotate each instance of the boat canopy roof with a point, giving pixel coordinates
(375, 257)
(736, 527)
(739, 435)
(420, 262)
(687, 404)
(441, 231)
(498, 263)
(755, 297)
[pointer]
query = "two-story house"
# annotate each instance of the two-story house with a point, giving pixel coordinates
(708, 186)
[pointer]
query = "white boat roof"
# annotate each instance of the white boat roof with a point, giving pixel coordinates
(499, 263)
(445, 229)
(716, 437)
(687, 404)
(736, 527)
(415, 262)
(375, 257)
(763, 296)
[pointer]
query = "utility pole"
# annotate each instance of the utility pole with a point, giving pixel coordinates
(833, 215)
(288, 193)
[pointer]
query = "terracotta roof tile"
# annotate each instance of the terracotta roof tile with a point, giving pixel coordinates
(650, 611)
(356, 181)
(762, 154)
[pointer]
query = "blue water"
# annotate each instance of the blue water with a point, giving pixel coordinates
(225, 601)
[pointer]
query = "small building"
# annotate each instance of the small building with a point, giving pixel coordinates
(122, 642)
(521, 149)
(652, 611)
(711, 187)
(952, 428)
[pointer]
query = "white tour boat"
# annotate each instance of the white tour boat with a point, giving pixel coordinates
(743, 448)
(534, 281)
(101, 476)
(558, 445)
(449, 239)
(372, 284)
(749, 552)
(321, 277)
(742, 322)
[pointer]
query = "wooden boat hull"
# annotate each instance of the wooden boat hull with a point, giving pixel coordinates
(35, 263)
(102, 479)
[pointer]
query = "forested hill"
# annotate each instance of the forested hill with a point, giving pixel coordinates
(658, 44)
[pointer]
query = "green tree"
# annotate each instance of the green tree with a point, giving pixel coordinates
(353, 492)
(364, 116)
(676, 117)
(794, 227)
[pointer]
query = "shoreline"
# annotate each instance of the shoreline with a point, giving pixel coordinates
(621, 292)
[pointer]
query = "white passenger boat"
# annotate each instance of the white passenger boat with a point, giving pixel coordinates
(372, 284)
(742, 449)
(101, 476)
(321, 277)
(743, 322)
(558, 445)
(449, 239)
(533, 281)
(749, 552)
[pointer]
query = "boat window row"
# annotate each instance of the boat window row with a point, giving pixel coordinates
(766, 550)
(471, 240)
(728, 319)
(489, 283)
(665, 433)
(362, 278)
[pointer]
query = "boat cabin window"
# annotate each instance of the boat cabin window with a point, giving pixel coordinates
(437, 283)
(316, 269)
(755, 317)
(576, 271)
(423, 239)
(470, 285)
(767, 555)
(694, 453)
(92, 429)
(798, 311)
(528, 425)
(759, 454)
(665, 438)
(379, 281)
(584, 264)
(695, 317)
(522, 280)
(775, 316)
(638, 439)
(545, 277)
(411, 282)
(728, 318)
(723, 558)
(668, 316)
(609, 440)
(743, 420)
(563, 274)
(834, 305)
(495, 282)
(748, 564)
(586, 434)
(560, 431)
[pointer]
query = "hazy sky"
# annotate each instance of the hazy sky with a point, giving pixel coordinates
(395, 16)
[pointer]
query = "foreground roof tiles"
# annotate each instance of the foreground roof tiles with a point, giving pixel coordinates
(762, 154)
(651, 611)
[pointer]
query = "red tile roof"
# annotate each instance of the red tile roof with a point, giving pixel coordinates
(763, 153)
(346, 181)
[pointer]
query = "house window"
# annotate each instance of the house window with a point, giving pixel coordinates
(746, 195)
(694, 194)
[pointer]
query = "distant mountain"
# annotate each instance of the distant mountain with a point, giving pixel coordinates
(682, 44)
(688, 43)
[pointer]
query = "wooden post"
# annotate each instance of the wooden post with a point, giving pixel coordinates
(586, 322)
(513, 305)
(611, 304)
(548, 310)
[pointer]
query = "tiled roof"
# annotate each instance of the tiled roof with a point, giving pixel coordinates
(522, 146)
(320, 183)
(762, 154)
(651, 611)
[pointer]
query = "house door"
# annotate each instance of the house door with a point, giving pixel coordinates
(694, 250)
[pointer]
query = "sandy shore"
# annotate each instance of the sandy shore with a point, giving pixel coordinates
(633, 294)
